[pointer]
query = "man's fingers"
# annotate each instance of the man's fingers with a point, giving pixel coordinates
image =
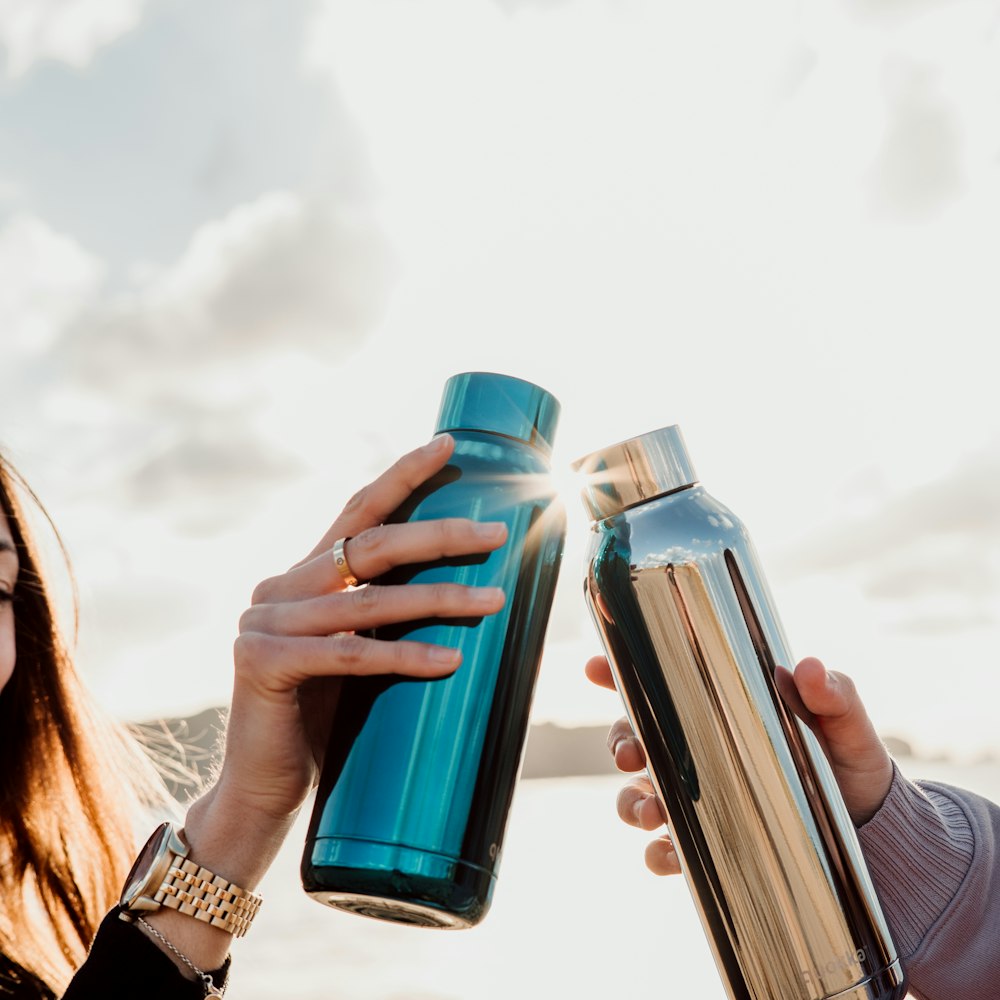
(661, 858)
(625, 748)
(598, 672)
(833, 700)
(823, 691)
(837, 715)
(638, 806)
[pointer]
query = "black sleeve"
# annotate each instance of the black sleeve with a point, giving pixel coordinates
(123, 963)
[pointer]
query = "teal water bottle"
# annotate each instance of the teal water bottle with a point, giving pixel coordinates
(419, 775)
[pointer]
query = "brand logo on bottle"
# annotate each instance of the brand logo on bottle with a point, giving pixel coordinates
(839, 963)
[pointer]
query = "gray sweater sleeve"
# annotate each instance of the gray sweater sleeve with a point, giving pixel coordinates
(933, 852)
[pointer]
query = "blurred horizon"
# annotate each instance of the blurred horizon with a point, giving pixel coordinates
(243, 245)
(188, 751)
(573, 907)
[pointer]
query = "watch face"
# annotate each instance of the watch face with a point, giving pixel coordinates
(139, 877)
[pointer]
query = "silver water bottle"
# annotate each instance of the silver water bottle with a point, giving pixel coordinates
(764, 838)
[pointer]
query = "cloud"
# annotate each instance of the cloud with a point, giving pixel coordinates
(160, 392)
(10, 192)
(963, 504)
(280, 271)
(513, 6)
(932, 553)
(124, 612)
(283, 267)
(209, 471)
(896, 9)
(918, 169)
(68, 31)
(201, 108)
(933, 623)
(48, 279)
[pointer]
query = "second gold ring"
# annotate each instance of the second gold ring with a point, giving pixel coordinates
(343, 566)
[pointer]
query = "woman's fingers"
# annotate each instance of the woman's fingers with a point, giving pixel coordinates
(378, 549)
(278, 664)
(376, 501)
(369, 607)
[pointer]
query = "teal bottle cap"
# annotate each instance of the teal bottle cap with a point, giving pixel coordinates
(499, 404)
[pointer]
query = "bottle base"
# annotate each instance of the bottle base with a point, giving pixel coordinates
(889, 984)
(395, 910)
(401, 884)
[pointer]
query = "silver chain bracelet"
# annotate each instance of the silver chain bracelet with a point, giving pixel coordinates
(211, 990)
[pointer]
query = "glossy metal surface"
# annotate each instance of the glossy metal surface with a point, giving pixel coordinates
(419, 777)
(765, 841)
(630, 472)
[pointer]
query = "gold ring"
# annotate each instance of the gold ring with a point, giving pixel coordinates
(343, 566)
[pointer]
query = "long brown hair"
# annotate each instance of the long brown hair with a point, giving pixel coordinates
(71, 782)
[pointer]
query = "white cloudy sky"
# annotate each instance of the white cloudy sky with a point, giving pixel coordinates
(243, 243)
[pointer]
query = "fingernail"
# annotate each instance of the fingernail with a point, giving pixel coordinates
(489, 596)
(492, 531)
(437, 443)
(637, 807)
(445, 656)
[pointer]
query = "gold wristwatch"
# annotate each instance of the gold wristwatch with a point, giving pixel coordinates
(163, 875)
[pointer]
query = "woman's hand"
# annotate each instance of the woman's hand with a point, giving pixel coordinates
(301, 628)
(826, 700)
(296, 642)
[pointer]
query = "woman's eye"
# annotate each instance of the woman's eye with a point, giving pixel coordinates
(6, 596)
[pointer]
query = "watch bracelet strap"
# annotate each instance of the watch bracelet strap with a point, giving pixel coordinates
(200, 893)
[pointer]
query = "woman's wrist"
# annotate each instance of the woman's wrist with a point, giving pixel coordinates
(233, 840)
(235, 843)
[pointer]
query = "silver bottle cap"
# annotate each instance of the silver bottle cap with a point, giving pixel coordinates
(635, 470)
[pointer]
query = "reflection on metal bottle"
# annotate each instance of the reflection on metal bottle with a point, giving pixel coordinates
(765, 841)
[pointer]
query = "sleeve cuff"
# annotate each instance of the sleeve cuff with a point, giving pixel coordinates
(123, 958)
(919, 847)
